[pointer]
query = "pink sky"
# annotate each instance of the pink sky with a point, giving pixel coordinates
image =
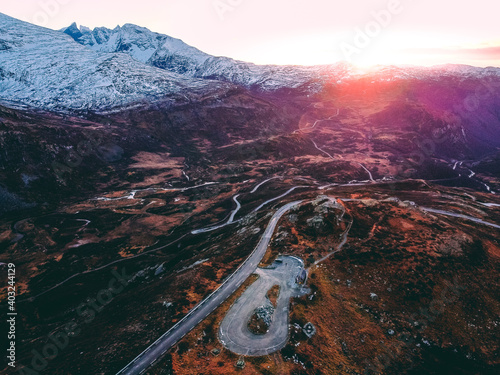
(420, 32)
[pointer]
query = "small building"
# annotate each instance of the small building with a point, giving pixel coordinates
(240, 364)
(301, 277)
(309, 329)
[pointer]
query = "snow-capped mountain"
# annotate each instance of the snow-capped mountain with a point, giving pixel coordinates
(143, 45)
(47, 69)
(174, 55)
(165, 52)
(82, 69)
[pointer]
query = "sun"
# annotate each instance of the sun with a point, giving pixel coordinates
(390, 48)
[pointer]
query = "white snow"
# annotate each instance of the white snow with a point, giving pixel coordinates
(48, 69)
(174, 55)
(114, 69)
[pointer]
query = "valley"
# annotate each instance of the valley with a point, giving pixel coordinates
(204, 227)
(150, 193)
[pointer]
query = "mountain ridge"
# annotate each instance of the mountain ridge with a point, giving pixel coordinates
(203, 65)
(165, 52)
(47, 69)
(78, 69)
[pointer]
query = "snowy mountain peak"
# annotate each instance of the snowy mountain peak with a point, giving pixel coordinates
(79, 68)
(168, 53)
(141, 44)
(84, 29)
(73, 31)
(48, 69)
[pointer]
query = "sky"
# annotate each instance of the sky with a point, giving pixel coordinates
(298, 32)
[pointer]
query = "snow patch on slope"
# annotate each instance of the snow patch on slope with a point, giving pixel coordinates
(174, 55)
(47, 69)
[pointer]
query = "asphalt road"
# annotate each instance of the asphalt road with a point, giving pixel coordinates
(479, 221)
(154, 352)
(234, 333)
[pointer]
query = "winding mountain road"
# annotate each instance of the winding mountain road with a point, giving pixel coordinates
(278, 197)
(229, 221)
(238, 207)
(156, 350)
(367, 171)
(323, 151)
(234, 333)
(465, 217)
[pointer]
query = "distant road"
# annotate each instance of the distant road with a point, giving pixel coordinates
(479, 221)
(367, 171)
(154, 352)
(238, 207)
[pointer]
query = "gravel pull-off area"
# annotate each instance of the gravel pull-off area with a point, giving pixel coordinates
(234, 333)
